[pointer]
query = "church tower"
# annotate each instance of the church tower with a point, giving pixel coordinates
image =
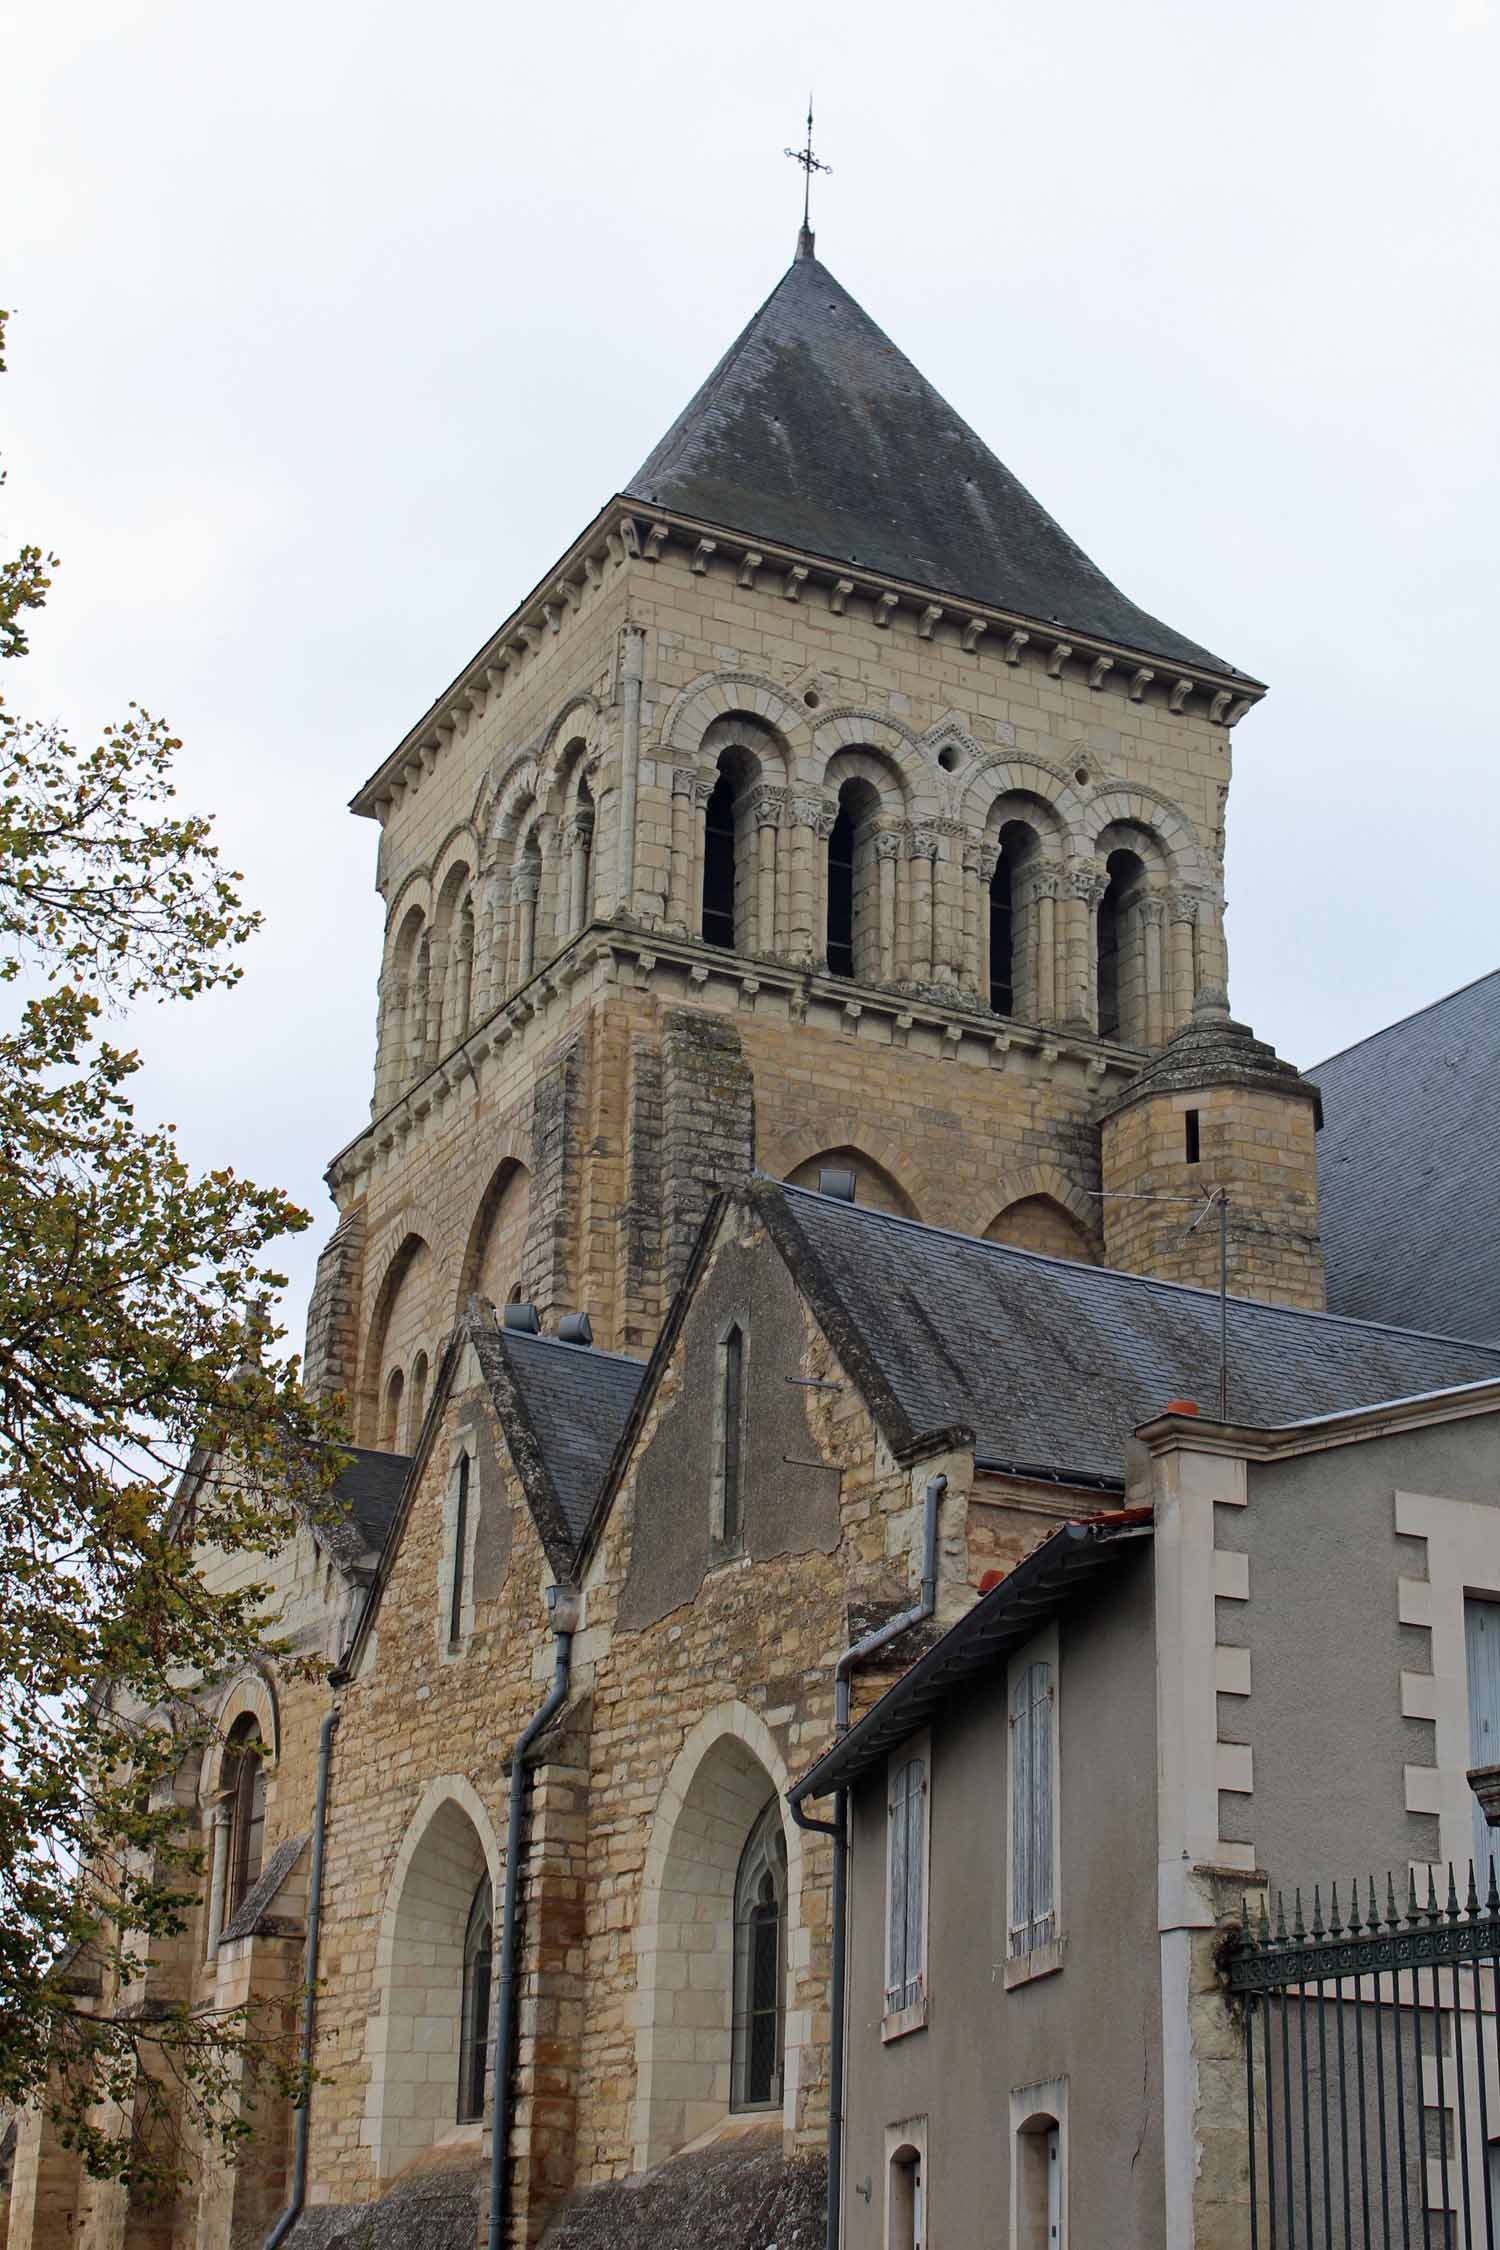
(824, 803)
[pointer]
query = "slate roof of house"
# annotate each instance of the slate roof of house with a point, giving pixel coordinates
(815, 431)
(1052, 1364)
(1409, 1167)
(577, 1401)
(370, 1486)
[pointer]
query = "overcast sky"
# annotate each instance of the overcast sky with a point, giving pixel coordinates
(334, 324)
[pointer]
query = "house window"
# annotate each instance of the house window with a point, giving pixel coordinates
(1482, 1662)
(1033, 1799)
(759, 1965)
(474, 2010)
(457, 1588)
(730, 1439)
(904, 2194)
(1037, 2159)
(245, 1789)
(906, 1892)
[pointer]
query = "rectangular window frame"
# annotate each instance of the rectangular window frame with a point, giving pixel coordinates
(1027, 1957)
(905, 2006)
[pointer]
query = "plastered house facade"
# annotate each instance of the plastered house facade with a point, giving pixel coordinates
(823, 812)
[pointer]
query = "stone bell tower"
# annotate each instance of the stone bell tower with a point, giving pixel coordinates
(824, 802)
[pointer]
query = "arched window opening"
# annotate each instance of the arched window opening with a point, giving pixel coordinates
(474, 2007)
(526, 889)
(461, 987)
(1009, 984)
(580, 859)
(390, 1423)
(841, 892)
(904, 2198)
(759, 1965)
(729, 1511)
(1118, 971)
(1039, 2185)
(718, 863)
(1040, 1222)
(418, 1400)
(245, 1790)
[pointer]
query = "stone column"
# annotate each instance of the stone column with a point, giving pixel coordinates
(767, 810)
(680, 869)
(949, 918)
(417, 999)
(217, 1871)
(887, 857)
(812, 824)
(1046, 889)
(580, 842)
(524, 891)
(986, 858)
(389, 998)
(1152, 909)
(1182, 911)
(494, 900)
(1084, 885)
(921, 853)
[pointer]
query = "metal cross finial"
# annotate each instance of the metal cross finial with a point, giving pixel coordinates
(809, 164)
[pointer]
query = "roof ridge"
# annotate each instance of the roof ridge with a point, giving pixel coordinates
(1427, 1008)
(1142, 1280)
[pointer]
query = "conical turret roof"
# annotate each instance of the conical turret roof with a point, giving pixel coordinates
(816, 432)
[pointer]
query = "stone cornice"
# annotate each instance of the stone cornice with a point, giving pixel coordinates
(1180, 1433)
(635, 959)
(626, 532)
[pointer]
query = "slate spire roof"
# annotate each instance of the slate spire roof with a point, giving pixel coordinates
(816, 432)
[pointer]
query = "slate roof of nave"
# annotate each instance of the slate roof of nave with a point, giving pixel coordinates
(577, 1400)
(1409, 1167)
(815, 431)
(370, 1485)
(1053, 1364)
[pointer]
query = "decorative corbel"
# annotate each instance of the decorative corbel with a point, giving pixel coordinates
(494, 674)
(884, 604)
(1140, 681)
(749, 565)
(842, 589)
(1180, 693)
(656, 539)
(553, 615)
(531, 637)
(1014, 646)
(928, 619)
(1099, 671)
(1061, 651)
(852, 1013)
(701, 554)
(519, 646)
(630, 537)
(1219, 706)
(1237, 711)
(592, 572)
(793, 583)
(571, 592)
(974, 633)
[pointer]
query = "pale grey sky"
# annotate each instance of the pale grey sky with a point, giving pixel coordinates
(335, 323)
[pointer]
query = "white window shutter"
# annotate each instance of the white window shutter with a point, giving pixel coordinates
(1041, 1850)
(916, 1804)
(1020, 1813)
(896, 1905)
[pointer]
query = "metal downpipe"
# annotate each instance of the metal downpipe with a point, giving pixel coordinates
(838, 1829)
(505, 2014)
(293, 2211)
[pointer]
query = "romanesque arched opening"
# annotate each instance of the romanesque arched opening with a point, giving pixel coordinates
(720, 1892)
(1040, 1222)
(430, 2038)
(874, 1186)
(398, 1331)
(496, 1250)
(854, 923)
(728, 853)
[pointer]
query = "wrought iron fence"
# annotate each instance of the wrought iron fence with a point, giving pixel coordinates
(1372, 2070)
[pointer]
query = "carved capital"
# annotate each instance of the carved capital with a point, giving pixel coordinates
(1087, 883)
(1184, 906)
(580, 830)
(525, 885)
(702, 791)
(1152, 908)
(922, 843)
(768, 808)
(888, 843)
(815, 813)
(986, 860)
(684, 781)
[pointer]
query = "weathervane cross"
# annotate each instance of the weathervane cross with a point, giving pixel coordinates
(809, 164)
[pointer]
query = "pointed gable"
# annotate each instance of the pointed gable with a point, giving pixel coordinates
(815, 431)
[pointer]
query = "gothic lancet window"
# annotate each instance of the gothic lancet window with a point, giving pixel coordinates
(390, 1421)
(245, 1789)
(729, 1498)
(474, 2009)
(456, 1588)
(759, 1965)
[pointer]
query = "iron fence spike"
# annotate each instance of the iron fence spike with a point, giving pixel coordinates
(1265, 1920)
(1372, 1918)
(1432, 1910)
(1355, 1924)
(1335, 1926)
(1492, 1903)
(1317, 1920)
(1412, 1909)
(1452, 1908)
(1393, 1919)
(1299, 1931)
(1471, 1903)
(1280, 1919)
